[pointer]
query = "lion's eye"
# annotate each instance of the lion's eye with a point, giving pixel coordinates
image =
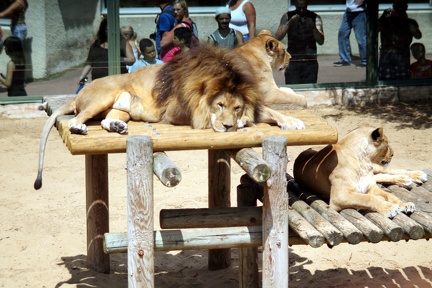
(221, 105)
(237, 109)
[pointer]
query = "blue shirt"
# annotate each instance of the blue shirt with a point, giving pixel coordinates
(142, 63)
(165, 23)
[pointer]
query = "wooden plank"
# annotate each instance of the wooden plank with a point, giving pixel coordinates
(210, 217)
(333, 236)
(168, 137)
(391, 229)
(199, 239)
(370, 230)
(191, 239)
(350, 232)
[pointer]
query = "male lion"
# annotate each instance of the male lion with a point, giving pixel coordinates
(207, 87)
(262, 47)
(344, 173)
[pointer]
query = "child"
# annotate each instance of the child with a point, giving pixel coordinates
(15, 77)
(224, 35)
(182, 39)
(130, 35)
(148, 51)
(422, 68)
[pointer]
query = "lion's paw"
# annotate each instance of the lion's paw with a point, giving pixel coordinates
(418, 177)
(391, 210)
(292, 124)
(113, 125)
(78, 129)
(404, 181)
(408, 207)
(119, 127)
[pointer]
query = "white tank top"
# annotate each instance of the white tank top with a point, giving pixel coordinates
(238, 19)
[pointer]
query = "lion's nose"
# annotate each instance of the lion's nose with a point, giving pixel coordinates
(229, 128)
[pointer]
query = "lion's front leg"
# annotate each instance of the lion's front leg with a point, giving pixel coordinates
(400, 177)
(405, 206)
(349, 198)
(271, 116)
(284, 95)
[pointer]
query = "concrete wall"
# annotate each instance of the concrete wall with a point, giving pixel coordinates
(60, 32)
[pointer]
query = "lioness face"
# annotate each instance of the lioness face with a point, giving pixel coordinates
(279, 56)
(384, 152)
(226, 110)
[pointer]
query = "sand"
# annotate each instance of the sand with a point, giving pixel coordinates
(43, 238)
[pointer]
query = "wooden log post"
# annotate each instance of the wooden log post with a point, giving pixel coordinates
(248, 257)
(390, 228)
(139, 151)
(275, 215)
(252, 163)
(165, 170)
(369, 230)
(96, 178)
(333, 236)
(219, 192)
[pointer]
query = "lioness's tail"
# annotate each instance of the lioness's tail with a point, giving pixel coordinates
(67, 108)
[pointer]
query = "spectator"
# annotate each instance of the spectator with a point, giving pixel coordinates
(148, 50)
(15, 76)
(97, 60)
(130, 35)
(165, 22)
(243, 18)
(396, 34)
(304, 29)
(353, 18)
(182, 38)
(16, 11)
(181, 12)
(224, 35)
(422, 68)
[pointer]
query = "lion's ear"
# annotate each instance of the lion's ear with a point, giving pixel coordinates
(265, 32)
(377, 134)
(271, 45)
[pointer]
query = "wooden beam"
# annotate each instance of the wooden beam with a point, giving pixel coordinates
(252, 163)
(210, 217)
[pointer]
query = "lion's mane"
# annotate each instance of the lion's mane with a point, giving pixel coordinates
(193, 79)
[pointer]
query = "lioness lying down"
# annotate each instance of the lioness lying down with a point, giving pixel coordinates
(344, 173)
(207, 87)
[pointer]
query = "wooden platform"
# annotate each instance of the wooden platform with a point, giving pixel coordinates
(313, 222)
(168, 137)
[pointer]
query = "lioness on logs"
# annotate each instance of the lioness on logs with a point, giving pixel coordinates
(344, 173)
(206, 87)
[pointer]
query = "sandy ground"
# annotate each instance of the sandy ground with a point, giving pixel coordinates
(43, 238)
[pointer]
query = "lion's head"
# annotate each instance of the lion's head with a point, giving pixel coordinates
(214, 85)
(384, 153)
(369, 143)
(276, 52)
